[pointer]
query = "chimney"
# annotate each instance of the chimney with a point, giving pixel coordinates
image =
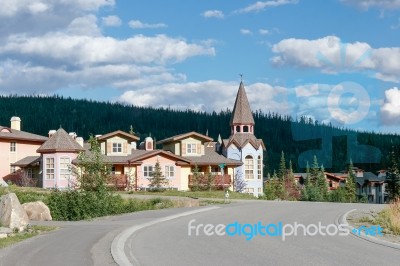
(15, 123)
(148, 144)
(52, 132)
(73, 135)
(79, 140)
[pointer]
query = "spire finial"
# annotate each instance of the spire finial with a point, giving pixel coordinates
(241, 77)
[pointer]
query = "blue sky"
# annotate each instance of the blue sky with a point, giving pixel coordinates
(337, 61)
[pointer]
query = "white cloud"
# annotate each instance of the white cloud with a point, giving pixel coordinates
(213, 14)
(112, 21)
(307, 90)
(137, 24)
(246, 32)
(331, 55)
(10, 8)
(262, 5)
(208, 96)
(85, 26)
(365, 4)
(390, 110)
(264, 31)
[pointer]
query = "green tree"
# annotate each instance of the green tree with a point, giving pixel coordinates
(92, 171)
(157, 180)
(282, 167)
(196, 178)
(393, 177)
(350, 187)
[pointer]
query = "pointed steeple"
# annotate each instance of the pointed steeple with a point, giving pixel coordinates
(242, 119)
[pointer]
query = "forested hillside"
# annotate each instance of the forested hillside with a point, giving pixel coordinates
(279, 133)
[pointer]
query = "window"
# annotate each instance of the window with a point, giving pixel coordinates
(50, 168)
(169, 171)
(238, 129)
(30, 173)
(246, 129)
(249, 167)
(259, 167)
(147, 170)
(117, 147)
(13, 147)
(12, 169)
(249, 190)
(65, 163)
(259, 190)
(191, 148)
(113, 170)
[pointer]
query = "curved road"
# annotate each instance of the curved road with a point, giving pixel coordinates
(168, 242)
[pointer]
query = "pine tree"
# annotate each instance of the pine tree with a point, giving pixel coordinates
(157, 180)
(322, 184)
(350, 187)
(196, 178)
(282, 167)
(393, 177)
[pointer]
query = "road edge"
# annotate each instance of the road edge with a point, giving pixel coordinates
(343, 220)
(118, 243)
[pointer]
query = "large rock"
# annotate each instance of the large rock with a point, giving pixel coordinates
(37, 211)
(3, 183)
(12, 214)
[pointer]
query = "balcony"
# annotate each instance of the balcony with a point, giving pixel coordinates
(219, 182)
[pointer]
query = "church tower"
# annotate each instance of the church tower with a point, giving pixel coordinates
(244, 146)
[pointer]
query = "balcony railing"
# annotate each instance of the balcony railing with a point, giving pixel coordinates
(119, 182)
(219, 182)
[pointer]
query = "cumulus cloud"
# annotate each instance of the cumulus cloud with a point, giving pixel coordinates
(137, 24)
(208, 96)
(213, 14)
(365, 4)
(262, 5)
(65, 47)
(331, 55)
(390, 110)
(112, 21)
(246, 32)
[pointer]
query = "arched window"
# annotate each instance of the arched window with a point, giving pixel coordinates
(249, 167)
(259, 167)
(246, 129)
(237, 128)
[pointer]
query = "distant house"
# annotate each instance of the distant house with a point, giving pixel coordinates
(16, 145)
(372, 186)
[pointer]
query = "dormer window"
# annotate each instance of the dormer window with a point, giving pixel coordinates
(117, 147)
(191, 148)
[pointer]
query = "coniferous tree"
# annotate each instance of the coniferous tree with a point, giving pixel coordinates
(350, 186)
(157, 180)
(393, 177)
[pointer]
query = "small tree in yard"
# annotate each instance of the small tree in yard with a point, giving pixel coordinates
(239, 184)
(157, 180)
(350, 186)
(196, 178)
(92, 171)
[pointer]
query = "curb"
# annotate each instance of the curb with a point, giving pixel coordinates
(343, 220)
(118, 244)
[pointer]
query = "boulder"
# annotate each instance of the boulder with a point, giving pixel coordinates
(5, 231)
(37, 211)
(12, 215)
(3, 183)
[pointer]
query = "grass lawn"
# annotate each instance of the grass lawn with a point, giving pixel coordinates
(31, 232)
(196, 194)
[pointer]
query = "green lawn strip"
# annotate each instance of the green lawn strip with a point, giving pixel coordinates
(31, 232)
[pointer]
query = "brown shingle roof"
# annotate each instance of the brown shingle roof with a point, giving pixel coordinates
(212, 157)
(13, 134)
(60, 142)
(241, 139)
(241, 111)
(29, 160)
(185, 135)
(119, 133)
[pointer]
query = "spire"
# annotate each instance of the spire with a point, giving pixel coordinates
(241, 114)
(219, 139)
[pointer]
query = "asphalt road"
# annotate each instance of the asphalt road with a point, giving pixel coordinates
(167, 242)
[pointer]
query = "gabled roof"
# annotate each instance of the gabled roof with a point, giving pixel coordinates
(152, 153)
(241, 111)
(119, 133)
(212, 157)
(13, 134)
(241, 140)
(29, 160)
(60, 142)
(184, 136)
